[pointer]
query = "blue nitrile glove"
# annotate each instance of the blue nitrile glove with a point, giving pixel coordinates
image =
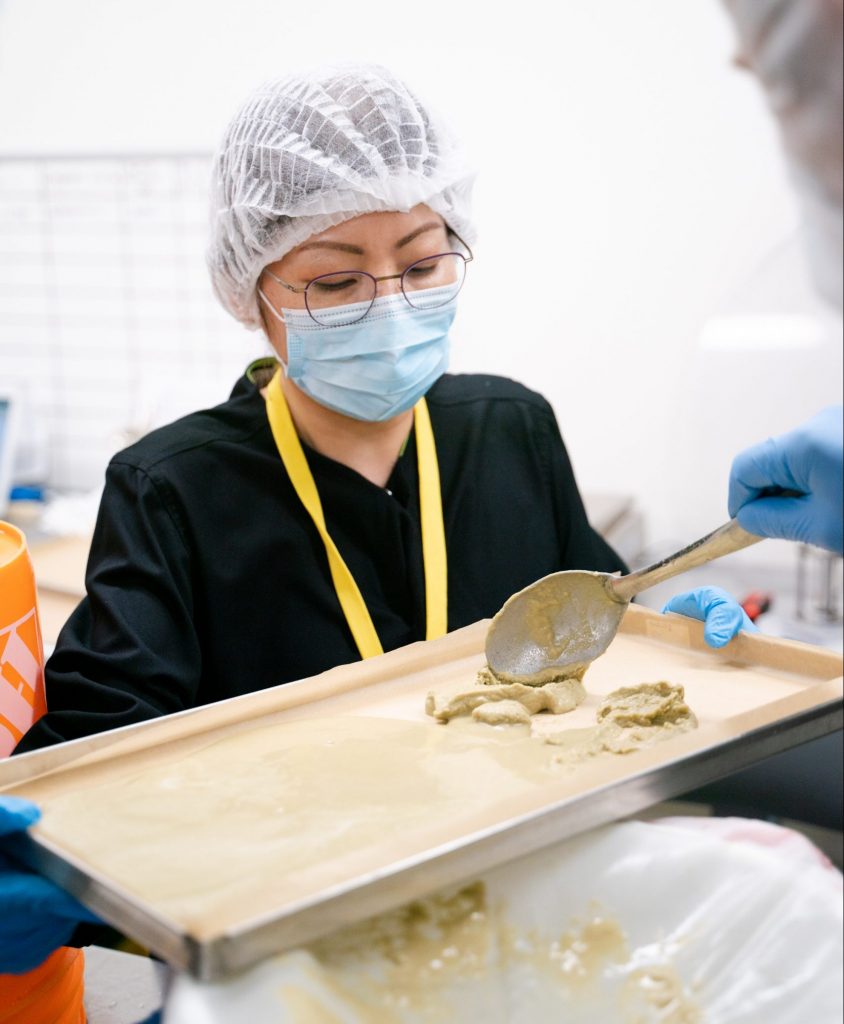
(36, 916)
(809, 459)
(723, 616)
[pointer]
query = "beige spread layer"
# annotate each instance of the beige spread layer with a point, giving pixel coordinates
(301, 803)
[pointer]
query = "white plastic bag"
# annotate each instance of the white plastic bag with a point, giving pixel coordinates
(631, 924)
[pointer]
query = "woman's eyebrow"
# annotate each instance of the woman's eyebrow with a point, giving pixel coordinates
(415, 234)
(355, 250)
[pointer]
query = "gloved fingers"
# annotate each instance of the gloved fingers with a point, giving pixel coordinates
(724, 622)
(29, 896)
(757, 468)
(23, 950)
(785, 518)
(16, 814)
(26, 897)
(722, 615)
(691, 603)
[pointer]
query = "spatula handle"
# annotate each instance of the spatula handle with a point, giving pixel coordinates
(724, 541)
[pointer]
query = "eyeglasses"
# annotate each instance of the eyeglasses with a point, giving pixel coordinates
(425, 284)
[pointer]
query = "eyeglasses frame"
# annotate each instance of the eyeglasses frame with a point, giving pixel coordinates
(372, 277)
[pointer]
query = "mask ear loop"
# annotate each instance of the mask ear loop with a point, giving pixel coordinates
(271, 307)
(278, 317)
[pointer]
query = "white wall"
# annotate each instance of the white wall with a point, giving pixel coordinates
(630, 189)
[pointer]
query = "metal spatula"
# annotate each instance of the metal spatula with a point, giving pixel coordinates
(561, 623)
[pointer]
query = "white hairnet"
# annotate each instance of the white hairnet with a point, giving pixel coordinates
(314, 149)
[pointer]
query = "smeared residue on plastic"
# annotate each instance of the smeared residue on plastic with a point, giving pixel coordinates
(415, 963)
(582, 952)
(425, 948)
(658, 989)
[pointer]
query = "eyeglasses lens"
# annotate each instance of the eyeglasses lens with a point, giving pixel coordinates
(435, 281)
(354, 292)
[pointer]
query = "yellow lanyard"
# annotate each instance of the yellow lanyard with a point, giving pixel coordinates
(431, 516)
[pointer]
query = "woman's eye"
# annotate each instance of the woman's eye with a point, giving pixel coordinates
(423, 270)
(335, 285)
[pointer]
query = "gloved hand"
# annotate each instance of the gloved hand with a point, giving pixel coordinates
(809, 459)
(36, 916)
(723, 616)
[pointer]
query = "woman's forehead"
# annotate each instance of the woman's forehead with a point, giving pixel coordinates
(377, 228)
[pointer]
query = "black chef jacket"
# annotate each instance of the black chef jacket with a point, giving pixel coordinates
(207, 578)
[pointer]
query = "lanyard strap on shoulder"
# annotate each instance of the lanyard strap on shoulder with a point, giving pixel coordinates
(431, 515)
(433, 527)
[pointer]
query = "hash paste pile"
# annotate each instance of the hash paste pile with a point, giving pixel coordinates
(627, 719)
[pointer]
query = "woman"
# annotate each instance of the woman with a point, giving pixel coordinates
(340, 227)
(357, 500)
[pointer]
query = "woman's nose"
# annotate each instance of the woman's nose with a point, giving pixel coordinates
(391, 286)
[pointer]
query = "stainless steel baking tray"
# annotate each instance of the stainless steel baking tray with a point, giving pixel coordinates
(460, 802)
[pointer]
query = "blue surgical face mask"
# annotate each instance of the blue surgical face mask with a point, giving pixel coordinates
(375, 368)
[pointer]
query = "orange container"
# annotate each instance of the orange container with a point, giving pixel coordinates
(53, 992)
(22, 699)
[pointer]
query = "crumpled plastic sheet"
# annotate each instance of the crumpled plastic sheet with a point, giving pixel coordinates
(788, 844)
(746, 924)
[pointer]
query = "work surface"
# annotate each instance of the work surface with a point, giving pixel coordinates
(59, 565)
(175, 829)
